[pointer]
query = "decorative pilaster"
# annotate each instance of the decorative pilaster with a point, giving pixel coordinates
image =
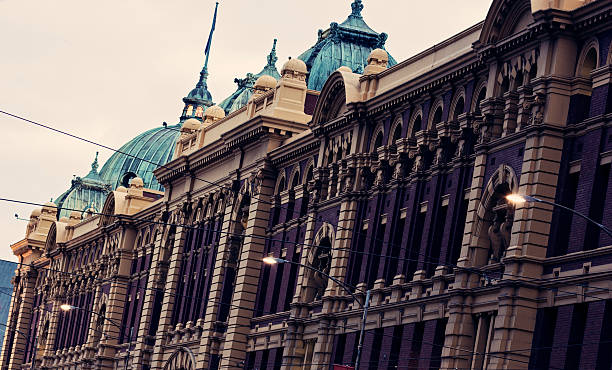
(210, 339)
(170, 292)
(12, 319)
(247, 278)
(24, 319)
(155, 285)
(115, 306)
(295, 347)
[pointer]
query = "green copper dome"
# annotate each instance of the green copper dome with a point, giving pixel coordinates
(84, 193)
(346, 44)
(156, 145)
(241, 96)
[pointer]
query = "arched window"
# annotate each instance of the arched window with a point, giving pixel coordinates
(296, 180)
(518, 80)
(281, 185)
(199, 112)
(397, 133)
(533, 72)
(505, 86)
(589, 63)
(379, 141)
(495, 217)
(417, 124)
(99, 325)
(307, 179)
(182, 359)
(309, 173)
(321, 262)
(437, 118)
(482, 94)
(189, 110)
(459, 108)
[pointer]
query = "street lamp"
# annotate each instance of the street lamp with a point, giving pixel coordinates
(68, 307)
(520, 199)
(273, 261)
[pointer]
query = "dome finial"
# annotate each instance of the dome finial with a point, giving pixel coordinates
(94, 164)
(357, 8)
(93, 174)
(272, 58)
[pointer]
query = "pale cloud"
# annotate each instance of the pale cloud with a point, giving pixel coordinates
(108, 70)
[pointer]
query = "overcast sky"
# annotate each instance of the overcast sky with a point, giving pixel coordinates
(109, 70)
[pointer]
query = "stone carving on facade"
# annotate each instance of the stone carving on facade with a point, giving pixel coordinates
(499, 231)
(482, 130)
(348, 183)
(314, 189)
(439, 157)
(32, 224)
(399, 169)
(256, 181)
(333, 180)
(418, 165)
(539, 101)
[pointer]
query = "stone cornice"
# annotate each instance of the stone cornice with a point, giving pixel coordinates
(592, 17)
(245, 134)
(423, 85)
(288, 154)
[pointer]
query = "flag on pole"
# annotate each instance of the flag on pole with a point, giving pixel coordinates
(212, 29)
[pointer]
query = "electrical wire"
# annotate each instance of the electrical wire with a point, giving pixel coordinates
(422, 342)
(131, 218)
(164, 166)
(420, 254)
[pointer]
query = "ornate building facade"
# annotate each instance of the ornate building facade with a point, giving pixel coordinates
(392, 180)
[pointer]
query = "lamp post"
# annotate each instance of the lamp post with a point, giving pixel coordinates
(520, 199)
(68, 307)
(273, 261)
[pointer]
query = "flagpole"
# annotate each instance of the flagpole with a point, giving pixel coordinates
(207, 49)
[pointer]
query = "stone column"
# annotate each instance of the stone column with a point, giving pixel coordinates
(115, 306)
(324, 345)
(155, 287)
(247, 275)
(91, 346)
(170, 291)
(12, 318)
(516, 316)
(342, 245)
(24, 319)
(459, 339)
(515, 321)
(295, 349)
(209, 342)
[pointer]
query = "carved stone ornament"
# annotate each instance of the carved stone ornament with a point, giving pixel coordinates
(398, 170)
(418, 164)
(439, 157)
(314, 189)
